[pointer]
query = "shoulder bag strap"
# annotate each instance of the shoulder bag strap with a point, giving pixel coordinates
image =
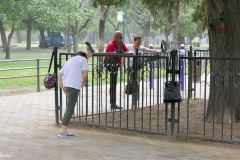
(50, 65)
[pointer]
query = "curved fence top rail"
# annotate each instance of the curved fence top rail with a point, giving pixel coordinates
(146, 54)
(201, 50)
(211, 58)
(157, 54)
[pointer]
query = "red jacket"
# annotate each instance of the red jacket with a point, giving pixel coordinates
(112, 47)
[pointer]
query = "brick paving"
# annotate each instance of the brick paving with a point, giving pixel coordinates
(28, 132)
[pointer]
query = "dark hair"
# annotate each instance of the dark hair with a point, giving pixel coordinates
(137, 38)
(83, 54)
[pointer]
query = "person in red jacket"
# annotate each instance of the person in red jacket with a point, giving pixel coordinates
(113, 63)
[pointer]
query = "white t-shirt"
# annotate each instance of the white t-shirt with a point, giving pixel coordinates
(72, 72)
(141, 51)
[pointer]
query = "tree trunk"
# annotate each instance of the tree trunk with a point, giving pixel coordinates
(18, 36)
(166, 39)
(65, 36)
(69, 47)
(147, 29)
(42, 37)
(48, 32)
(79, 28)
(9, 41)
(29, 34)
(75, 37)
(190, 41)
(103, 16)
(129, 37)
(175, 24)
(3, 36)
(115, 26)
(224, 40)
(181, 39)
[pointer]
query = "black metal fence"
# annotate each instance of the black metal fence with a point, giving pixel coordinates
(212, 105)
(209, 88)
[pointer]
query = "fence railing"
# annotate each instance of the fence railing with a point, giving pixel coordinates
(35, 68)
(98, 100)
(209, 88)
(212, 98)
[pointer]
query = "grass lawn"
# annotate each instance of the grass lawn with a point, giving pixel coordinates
(15, 84)
(21, 53)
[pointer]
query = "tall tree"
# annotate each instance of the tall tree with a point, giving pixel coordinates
(3, 31)
(52, 16)
(224, 39)
(112, 19)
(143, 18)
(189, 26)
(83, 15)
(172, 8)
(104, 6)
(222, 18)
(162, 23)
(29, 23)
(8, 17)
(41, 15)
(103, 16)
(78, 14)
(28, 12)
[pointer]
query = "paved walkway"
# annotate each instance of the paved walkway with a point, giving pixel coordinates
(28, 132)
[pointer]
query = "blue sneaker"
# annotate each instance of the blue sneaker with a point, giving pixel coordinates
(65, 134)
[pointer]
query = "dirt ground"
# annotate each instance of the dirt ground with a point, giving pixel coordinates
(152, 119)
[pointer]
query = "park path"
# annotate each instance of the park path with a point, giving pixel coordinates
(28, 132)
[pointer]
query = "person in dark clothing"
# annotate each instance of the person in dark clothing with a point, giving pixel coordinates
(134, 63)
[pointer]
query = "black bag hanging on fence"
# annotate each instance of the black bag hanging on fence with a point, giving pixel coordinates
(172, 92)
(50, 79)
(129, 87)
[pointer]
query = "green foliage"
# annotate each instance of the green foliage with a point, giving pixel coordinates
(162, 22)
(192, 15)
(47, 14)
(54, 14)
(95, 3)
(137, 17)
(156, 6)
(187, 27)
(9, 12)
(141, 14)
(200, 14)
(191, 21)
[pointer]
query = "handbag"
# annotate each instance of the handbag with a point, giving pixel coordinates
(129, 88)
(172, 92)
(50, 80)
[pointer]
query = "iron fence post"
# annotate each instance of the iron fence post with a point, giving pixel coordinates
(195, 74)
(56, 86)
(173, 70)
(38, 78)
(190, 73)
